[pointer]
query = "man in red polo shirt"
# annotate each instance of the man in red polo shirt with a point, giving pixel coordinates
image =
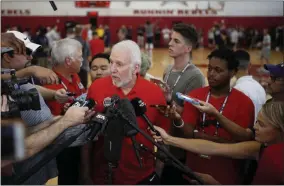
(218, 119)
(67, 63)
(67, 57)
(125, 60)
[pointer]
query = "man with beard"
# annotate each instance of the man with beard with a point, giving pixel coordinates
(125, 81)
(219, 119)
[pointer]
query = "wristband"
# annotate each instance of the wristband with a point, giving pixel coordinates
(178, 126)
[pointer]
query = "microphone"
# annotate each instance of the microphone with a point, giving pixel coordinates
(127, 112)
(128, 108)
(113, 139)
(53, 5)
(140, 110)
(99, 122)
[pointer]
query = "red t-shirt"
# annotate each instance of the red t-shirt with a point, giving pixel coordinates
(239, 109)
(85, 34)
(97, 46)
(128, 171)
(270, 169)
(75, 87)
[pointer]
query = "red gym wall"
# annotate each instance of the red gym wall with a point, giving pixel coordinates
(115, 22)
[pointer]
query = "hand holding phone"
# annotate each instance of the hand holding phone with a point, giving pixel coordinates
(188, 99)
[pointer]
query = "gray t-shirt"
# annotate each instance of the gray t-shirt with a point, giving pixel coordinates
(149, 30)
(191, 79)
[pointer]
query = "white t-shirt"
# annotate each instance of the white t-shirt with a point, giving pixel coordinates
(166, 33)
(234, 36)
(253, 90)
(267, 40)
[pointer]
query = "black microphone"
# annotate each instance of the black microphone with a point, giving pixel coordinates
(127, 112)
(53, 5)
(99, 122)
(114, 132)
(140, 110)
(113, 139)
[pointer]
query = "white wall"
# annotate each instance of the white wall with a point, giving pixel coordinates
(118, 8)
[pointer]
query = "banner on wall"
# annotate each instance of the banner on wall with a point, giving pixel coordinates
(179, 12)
(15, 12)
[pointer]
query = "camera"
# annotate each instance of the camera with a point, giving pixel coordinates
(18, 100)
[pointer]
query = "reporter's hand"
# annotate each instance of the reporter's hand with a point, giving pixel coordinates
(170, 112)
(164, 136)
(45, 75)
(75, 116)
(10, 40)
(61, 96)
(207, 108)
(89, 114)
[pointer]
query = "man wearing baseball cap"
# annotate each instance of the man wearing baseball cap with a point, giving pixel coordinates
(31, 47)
(275, 85)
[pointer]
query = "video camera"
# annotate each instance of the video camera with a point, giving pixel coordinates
(18, 100)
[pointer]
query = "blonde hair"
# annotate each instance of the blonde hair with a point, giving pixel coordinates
(274, 112)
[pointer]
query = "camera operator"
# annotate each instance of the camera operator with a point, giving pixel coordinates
(46, 76)
(44, 128)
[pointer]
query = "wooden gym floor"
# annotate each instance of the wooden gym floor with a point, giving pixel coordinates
(161, 59)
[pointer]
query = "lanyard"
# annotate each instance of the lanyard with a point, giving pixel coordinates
(221, 111)
(65, 87)
(177, 80)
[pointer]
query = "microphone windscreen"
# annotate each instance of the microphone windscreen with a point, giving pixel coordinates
(139, 106)
(128, 113)
(113, 140)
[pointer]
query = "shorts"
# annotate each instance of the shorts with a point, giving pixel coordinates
(150, 40)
